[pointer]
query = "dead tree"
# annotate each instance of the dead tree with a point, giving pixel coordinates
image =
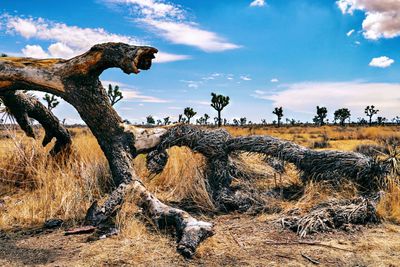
(218, 145)
(23, 106)
(77, 82)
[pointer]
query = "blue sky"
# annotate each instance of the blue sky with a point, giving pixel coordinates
(297, 53)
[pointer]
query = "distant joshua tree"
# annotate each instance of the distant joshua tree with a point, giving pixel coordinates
(180, 118)
(381, 120)
(189, 113)
(150, 120)
(370, 111)
(51, 101)
(219, 102)
(236, 122)
(159, 122)
(396, 120)
(342, 115)
(319, 119)
(279, 114)
(243, 121)
(206, 117)
(167, 121)
(114, 94)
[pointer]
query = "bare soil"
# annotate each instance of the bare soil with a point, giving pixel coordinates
(240, 240)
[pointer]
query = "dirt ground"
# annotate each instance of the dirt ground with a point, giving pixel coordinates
(240, 240)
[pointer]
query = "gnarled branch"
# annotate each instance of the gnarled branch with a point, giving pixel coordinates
(24, 106)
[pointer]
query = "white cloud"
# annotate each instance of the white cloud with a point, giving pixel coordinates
(69, 41)
(381, 62)
(61, 50)
(35, 51)
(304, 97)
(170, 22)
(257, 3)
(274, 80)
(245, 78)
(162, 57)
(349, 33)
(25, 27)
(189, 34)
(192, 84)
(382, 16)
(131, 94)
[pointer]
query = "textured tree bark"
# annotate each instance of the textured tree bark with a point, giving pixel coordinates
(218, 145)
(24, 106)
(77, 81)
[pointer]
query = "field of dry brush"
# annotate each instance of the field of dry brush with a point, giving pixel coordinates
(35, 188)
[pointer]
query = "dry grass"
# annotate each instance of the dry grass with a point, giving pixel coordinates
(34, 188)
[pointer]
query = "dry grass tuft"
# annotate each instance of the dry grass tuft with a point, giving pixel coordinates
(181, 180)
(38, 188)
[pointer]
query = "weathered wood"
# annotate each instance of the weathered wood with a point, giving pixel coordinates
(77, 82)
(218, 145)
(24, 106)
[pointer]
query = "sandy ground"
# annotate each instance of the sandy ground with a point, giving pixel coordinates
(240, 240)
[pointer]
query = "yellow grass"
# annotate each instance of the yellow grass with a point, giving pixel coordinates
(35, 188)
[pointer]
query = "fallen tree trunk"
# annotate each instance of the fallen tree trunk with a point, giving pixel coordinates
(326, 165)
(218, 145)
(23, 106)
(77, 81)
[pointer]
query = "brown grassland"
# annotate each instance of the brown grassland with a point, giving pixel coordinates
(34, 188)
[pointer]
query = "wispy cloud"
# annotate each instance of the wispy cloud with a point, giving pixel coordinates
(257, 3)
(170, 22)
(382, 16)
(304, 97)
(274, 80)
(349, 33)
(381, 62)
(68, 41)
(245, 78)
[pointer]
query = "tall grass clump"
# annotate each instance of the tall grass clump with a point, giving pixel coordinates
(38, 187)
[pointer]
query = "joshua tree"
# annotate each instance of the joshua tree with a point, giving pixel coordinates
(321, 116)
(243, 121)
(180, 118)
(279, 114)
(159, 122)
(342, 115)
(114, 94)
(370, 111)
(396, 120)
(189, 113)
(235, 122)
(381, 120)
(167, 121)
(150, 120)
(218, 102)
(206, 117)
(51, 100)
